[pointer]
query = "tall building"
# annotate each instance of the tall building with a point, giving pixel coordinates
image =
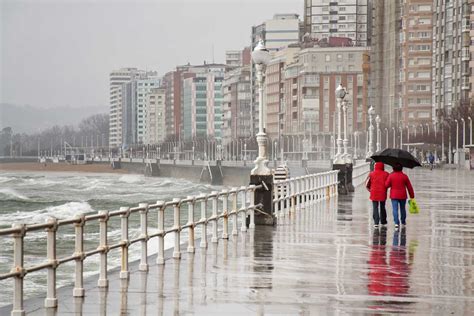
(236, 104)
(143, 86)
(237, 58)
(415, 66)
(155, 108)
(339, 18)
(451, 56)
(471, 54)
(384, 93)
(116, 80)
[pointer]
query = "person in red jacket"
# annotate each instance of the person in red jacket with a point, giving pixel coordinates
(378, 193)
(399, 183)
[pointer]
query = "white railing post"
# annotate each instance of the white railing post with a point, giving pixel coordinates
(177, 228)
(160, 258)
(292, 190)
(78, 290)
(225, 215)
(234, 211)
(191, 224)
(143, 234)
(243, 201)
(124, 273)
(103, 281)
(18, 258)
(204, 221)
(51, 300)
(214, 216)
(252, 204)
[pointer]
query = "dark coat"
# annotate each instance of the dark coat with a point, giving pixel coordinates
(376, 185)
(399, 183)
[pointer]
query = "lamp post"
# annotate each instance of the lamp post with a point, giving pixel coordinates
(386, 137)
(463, 133)
(428, 129)
(457, 135)
(394, 137)
(370, 150)
(377, 121)
(340, 94)
(401, 137)
(346, 155)
(470, 129)
(356, 143)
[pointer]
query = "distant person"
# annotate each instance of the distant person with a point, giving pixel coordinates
(399, 183)
(378, 193)
(431, 160)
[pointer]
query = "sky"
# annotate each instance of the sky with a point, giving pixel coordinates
(59, 53)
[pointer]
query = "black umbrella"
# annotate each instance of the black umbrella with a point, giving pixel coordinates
(392, 156)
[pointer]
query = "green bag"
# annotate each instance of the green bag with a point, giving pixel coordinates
(413, 209)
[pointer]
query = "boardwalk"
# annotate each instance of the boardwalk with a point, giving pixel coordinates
(326, 260)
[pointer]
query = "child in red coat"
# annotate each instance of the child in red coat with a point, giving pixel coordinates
(378, 193)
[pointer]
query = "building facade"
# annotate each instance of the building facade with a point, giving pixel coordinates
(156, 120)
(415, 66)
(344, 18)
(144, 85)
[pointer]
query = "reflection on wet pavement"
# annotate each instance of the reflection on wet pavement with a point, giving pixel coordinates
(326, 260)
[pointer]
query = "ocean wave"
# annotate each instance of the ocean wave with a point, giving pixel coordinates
(10, 194)
(63, 211)
(131, 178)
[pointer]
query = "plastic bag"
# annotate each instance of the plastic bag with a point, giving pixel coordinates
(413, 207)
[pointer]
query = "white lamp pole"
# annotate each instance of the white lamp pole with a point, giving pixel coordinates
(379, 134)
(470, 129)
(457, 135)
(340, 94)
(347, 156)
(261, 56)
(401, 137)
(356, 136)
(370, 150)
(386, 137)
(394, 137)
(463, 133)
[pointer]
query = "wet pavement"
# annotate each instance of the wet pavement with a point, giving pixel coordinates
(326, 260)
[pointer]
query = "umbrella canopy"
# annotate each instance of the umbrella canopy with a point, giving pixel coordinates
(392, 156)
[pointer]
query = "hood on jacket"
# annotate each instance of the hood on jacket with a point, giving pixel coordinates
(379, 166)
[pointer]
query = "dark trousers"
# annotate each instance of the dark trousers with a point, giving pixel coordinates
(379, 217)
(403, 212)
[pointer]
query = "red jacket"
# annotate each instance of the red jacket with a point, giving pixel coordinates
(376, 186)
(399, 183)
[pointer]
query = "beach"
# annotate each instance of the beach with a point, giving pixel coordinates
(59, 167)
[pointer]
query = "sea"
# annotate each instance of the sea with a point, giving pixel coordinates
(33, 197)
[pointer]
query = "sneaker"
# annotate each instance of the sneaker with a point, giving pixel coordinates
(376, 225)
(384, 225)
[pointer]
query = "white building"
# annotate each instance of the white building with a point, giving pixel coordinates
(343, 18)
(282, 30)
(144, 85)
(155, 109)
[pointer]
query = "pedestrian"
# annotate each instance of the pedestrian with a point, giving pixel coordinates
(378, 193)
(399, 183)
(431, 159)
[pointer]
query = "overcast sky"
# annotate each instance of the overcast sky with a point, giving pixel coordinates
(59, 53)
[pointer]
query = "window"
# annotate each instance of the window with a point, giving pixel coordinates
(328, 57)
(339, 57)
(295, 115)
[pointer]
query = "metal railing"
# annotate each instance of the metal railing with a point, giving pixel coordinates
(359, 173)
(246, 196)
(293, 194)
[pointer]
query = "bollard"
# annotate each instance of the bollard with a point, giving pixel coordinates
(144, 234)
(78, 290)
(203, 220)
(160, 258)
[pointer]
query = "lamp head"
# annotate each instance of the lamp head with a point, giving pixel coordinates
(261, 55)
(340, 92)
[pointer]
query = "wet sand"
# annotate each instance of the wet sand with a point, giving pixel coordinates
(59, 167)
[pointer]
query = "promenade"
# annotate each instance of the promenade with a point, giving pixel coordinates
(327, 259)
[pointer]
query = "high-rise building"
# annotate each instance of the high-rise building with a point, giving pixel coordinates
(344, 18)
(237, 58)
(415, 65)
(471, 55)
(236, 104)
(155, 107)
(451, 56)
(144, 85)
(384, 93)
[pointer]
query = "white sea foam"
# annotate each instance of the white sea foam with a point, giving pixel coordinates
(64, 211)
(131, 178)
(10, 194)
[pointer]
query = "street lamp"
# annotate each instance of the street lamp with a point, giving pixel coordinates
(346, 155)
(463, 133)
(470, 129)
(261, 57)
(370, 150)
(377, 121)
(340, 94)
(386, 137)
(394, 137)
(457, 135)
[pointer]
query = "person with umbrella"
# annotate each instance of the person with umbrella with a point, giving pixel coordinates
(397, 181)
(378, 193)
